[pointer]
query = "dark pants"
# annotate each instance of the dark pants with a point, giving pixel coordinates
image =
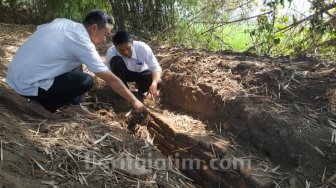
(142, 79)
(67, 89)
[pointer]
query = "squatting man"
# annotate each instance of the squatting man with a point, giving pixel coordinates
(134, 61)
(47, 68)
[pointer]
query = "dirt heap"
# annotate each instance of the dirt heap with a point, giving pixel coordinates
(283, 110)
(278, 113)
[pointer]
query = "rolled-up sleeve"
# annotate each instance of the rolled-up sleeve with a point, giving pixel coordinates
(111, 52)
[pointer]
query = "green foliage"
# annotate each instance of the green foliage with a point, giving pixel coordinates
(218, 25)
(144, 18)
(41, 11)
(271, 33)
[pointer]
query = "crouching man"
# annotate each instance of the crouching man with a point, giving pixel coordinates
(134, 61)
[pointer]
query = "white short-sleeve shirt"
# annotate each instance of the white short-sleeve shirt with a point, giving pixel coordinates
(54, 49)
(142, 58)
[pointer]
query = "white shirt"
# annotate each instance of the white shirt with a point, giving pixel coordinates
(54, 49)
(142, 58)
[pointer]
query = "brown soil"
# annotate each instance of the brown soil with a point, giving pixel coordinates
(280, 109)
(74, 151)
(275, 112)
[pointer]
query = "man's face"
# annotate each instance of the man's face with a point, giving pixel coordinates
(98, 36)
(125, 49)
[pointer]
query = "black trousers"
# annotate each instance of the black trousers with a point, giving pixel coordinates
(142, 79)
(67, 89)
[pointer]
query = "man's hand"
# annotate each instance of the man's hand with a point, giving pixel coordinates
(153, 92)
(118, 86)
(139, 106)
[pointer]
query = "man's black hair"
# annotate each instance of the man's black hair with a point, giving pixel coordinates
(98, 17)
(121, 37)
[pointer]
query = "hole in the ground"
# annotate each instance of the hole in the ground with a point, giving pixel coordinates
(244, 108)
(210, 160)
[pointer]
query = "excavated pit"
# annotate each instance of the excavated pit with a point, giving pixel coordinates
(216, 108)
(211, 160)
(282, 112)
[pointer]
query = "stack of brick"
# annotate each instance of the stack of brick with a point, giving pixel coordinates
(198, 155)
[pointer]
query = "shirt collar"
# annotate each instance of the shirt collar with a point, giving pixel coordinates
(134, 55)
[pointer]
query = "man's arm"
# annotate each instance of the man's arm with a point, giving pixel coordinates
(156, 78)
(153, 66)
(118, 86)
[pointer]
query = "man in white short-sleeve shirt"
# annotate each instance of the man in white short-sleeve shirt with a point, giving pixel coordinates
(134, 61)
(47, 67)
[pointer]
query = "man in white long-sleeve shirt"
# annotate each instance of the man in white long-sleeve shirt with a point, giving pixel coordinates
(134, 61)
